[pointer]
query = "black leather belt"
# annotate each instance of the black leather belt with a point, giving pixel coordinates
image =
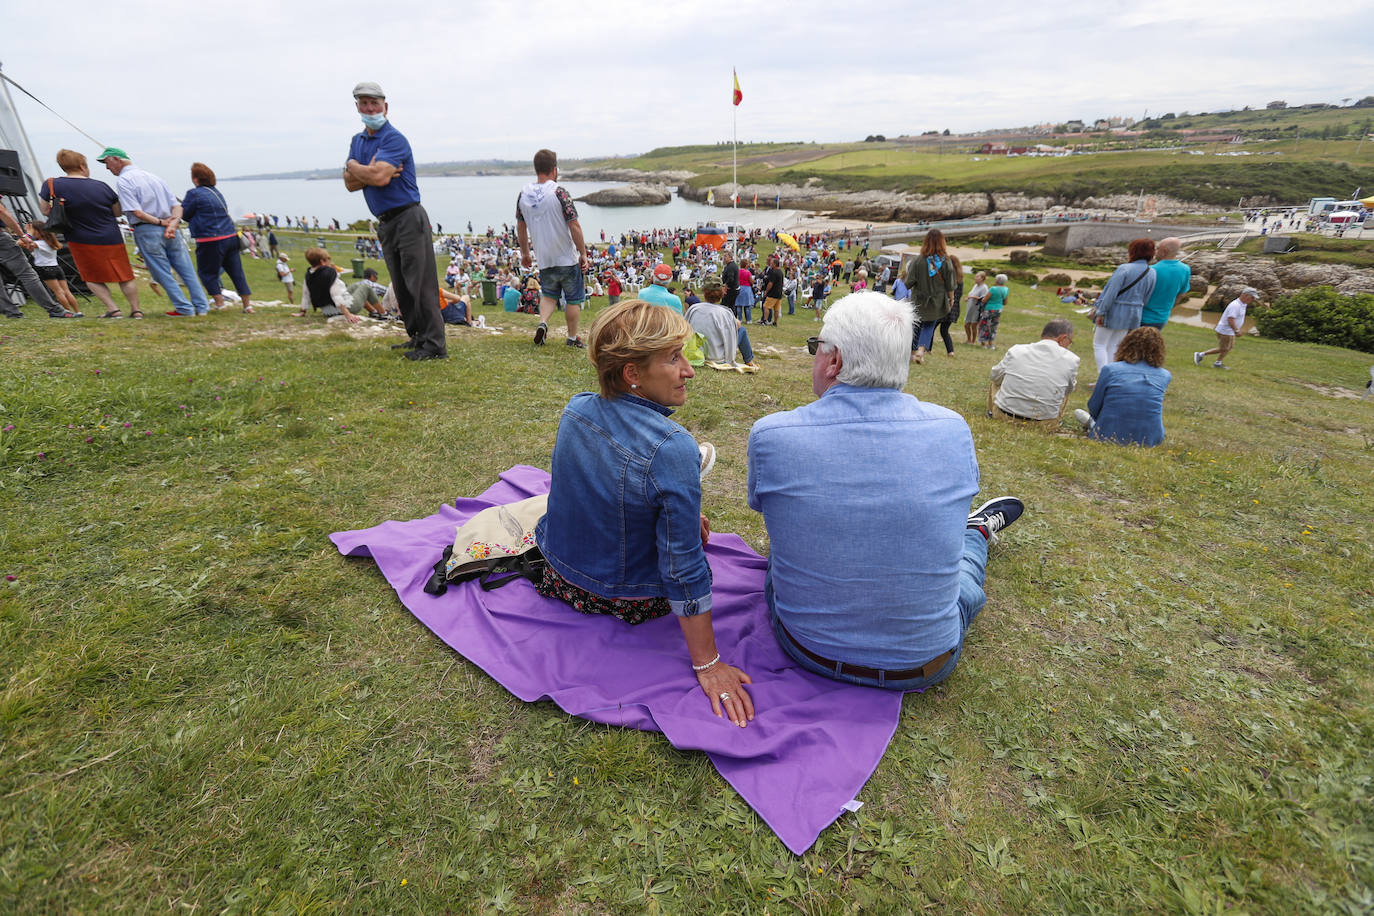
(394, 212)
(929, 669)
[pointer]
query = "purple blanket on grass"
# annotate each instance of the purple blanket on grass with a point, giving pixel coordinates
(813, 742)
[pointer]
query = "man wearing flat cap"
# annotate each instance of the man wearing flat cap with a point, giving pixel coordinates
(381, 165)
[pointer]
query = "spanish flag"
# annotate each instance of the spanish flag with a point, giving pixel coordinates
(739, 96)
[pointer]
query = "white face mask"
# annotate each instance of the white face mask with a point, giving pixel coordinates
(373, 121)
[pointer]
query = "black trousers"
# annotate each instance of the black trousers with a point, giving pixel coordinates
(408, 249)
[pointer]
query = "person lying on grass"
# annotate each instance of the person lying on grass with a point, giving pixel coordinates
(323, 289)
(624, 534)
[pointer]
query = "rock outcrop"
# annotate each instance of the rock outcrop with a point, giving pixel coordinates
(905, 207)
(629, 195)
(633, 176)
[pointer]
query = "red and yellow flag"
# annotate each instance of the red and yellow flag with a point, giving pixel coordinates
(738, 96)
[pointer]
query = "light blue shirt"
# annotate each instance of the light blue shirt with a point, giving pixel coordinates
(658, 295)
(865, 493)
(140, 190)
(1173, 278)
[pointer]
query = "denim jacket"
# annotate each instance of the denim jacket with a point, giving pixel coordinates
(1121, 310)
(624, 516)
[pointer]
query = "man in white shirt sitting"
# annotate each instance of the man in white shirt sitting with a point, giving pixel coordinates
(1036, 378)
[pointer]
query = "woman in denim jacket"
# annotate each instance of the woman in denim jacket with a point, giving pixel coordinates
(1127, 404)
(1117, 311)
(624, 534)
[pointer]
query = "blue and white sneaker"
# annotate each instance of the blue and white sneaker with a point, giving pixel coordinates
(996, 514)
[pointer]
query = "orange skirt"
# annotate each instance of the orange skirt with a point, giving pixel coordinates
(102, 263)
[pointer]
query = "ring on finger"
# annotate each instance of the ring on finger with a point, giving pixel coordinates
(725, 696)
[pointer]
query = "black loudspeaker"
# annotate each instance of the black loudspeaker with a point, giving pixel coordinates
(11, 178)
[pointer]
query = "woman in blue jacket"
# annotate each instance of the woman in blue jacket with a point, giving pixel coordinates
(1127, 404)
(624, 534)
(217, 241)
(1117, 311)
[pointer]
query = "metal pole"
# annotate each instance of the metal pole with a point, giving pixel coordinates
(12, 136)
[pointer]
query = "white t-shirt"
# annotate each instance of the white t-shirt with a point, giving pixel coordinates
(43, 255)
(546, 209)
(1236, 310)
(284, 272)
(978, 293)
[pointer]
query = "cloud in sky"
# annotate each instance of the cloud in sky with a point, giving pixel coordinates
(259, 86)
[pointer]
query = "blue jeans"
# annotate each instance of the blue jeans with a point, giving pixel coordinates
(791, 303)
(745, 348)
(163, 255)
(972, 574)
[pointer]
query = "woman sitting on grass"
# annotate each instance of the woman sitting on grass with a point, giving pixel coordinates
(624, 534)
(1127, 405)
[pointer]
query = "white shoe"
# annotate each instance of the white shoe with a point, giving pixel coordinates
(1197, 357)
(1082, 416)
(708, 457)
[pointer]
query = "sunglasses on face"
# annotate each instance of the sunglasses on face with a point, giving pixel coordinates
(812, 343)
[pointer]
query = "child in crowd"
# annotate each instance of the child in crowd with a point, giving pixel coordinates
(287, 278)
(818, 293)
(324, 290)
(47, 268)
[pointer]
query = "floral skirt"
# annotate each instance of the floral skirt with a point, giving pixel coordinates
(631, 610)
(987, 326)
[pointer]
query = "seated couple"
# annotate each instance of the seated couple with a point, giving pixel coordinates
(1033, 382)
(872, 579)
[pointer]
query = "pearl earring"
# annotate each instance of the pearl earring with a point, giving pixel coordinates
(633, 385)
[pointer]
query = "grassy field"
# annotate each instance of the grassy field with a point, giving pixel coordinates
(1165, 707)
(1286, 170)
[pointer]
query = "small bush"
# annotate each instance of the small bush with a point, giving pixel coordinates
(1321, 315)
(1019, 257)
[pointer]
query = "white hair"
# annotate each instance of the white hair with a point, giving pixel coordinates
(1000, 280)
(873, 334)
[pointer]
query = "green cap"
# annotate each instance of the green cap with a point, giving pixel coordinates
(109, 151)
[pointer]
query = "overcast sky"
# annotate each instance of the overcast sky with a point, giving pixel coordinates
(257, 86)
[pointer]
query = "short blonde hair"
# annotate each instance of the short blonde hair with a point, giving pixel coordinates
(316, 256)
(633, 331)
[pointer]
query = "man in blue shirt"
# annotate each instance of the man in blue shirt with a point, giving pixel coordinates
(1173, 278)
(657, 290)
(380, 165)
(876, 567)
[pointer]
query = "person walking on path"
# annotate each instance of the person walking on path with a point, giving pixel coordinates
(1228, 327)
(546, 216)
(155, 218)
(380, 164)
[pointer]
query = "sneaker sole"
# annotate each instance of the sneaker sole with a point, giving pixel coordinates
(540, 333)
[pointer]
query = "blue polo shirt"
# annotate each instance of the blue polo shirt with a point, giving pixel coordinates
(387, 145)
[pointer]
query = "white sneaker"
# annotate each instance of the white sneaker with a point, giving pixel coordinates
(1082, 416)
(708, 457)
(1197, 358)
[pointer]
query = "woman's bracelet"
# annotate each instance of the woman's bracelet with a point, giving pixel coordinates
(711, 664)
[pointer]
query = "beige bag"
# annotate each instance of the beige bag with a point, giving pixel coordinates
(495, 546)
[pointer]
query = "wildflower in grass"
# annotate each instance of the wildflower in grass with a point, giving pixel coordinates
(91, 439)
(11, 578)
(42, 456)
(404, 882)
(127, 425)
(575, 782)
(9, 428)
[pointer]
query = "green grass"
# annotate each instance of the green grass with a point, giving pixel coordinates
(1165, 706)
(1283, 170)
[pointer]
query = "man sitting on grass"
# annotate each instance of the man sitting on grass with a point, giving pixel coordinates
(1035, 378)
(722, 331)
(876, 566)
(324, 290)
